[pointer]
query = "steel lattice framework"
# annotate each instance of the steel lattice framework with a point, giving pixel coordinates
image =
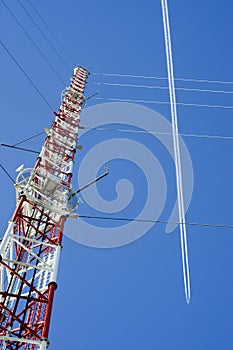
(31, 245)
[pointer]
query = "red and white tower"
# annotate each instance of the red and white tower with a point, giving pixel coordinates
(31, 245)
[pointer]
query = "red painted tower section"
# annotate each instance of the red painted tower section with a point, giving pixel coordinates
(31, 245)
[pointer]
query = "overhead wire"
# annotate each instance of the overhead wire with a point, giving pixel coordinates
(221, 137)
(19, 148)
(26, 75)
(155, 221)
(162, 102)
(6, 172)
(29, 138)
(135, 219)
(150, 132)
(44, 36)
(33, 43)
(164, 78)
(52, 33)
(162, 87)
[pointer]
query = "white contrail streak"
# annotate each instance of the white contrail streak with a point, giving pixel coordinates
(179, 184)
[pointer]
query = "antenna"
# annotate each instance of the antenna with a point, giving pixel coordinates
(31, 246)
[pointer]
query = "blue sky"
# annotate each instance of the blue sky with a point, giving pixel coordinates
(132, 297)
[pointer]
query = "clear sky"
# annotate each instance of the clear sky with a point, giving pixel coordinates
(132, 297)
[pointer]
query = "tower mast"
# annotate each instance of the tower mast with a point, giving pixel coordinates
(30, 248)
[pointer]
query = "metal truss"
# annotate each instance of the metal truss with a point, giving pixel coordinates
(31, 246)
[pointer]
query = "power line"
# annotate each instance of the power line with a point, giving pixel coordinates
(44, 36)
(164, 78)
(123, 131)
(220, 137)
(138, 220)
(33, 42)
(52, 33)
(162, 87)
(29, 138)
(26, 75)
(163, 102)
(19, 148)
(6, 172)
(159, 133)
(155, 221)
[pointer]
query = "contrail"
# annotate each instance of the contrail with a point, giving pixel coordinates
(175, 134)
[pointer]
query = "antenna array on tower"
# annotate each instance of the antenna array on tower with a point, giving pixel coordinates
(31, 245)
